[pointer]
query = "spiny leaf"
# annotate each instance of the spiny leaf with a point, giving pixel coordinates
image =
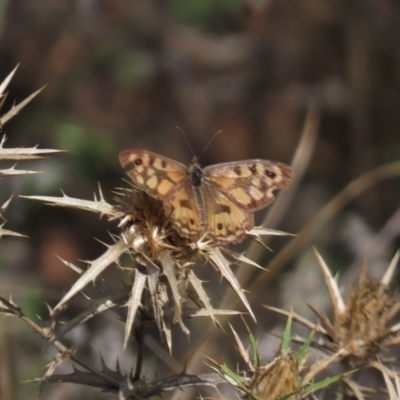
(286, 335)
(303, 350)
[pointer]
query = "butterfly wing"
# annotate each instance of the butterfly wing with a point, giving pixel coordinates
(166, 180)
(153, 174)
(226, 222)
(185, 213)
(249, 184)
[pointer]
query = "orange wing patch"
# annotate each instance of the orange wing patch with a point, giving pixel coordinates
(251, 183)
(155, 175)
(225, 221)
(184, 213)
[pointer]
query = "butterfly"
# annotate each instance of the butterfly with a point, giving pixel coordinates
(216, 202)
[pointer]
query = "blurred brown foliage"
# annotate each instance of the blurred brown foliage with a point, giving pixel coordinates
(122, 74)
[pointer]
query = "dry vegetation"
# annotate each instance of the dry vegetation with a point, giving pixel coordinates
(150, 314)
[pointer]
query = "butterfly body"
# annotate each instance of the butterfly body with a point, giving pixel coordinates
(216, 202)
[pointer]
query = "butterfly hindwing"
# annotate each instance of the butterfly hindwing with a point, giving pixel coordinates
(226, 222)
(184, 212)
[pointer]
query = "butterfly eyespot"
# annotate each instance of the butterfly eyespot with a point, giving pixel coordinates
(238, 170)
(220, 226)
(270, 173)
(138, 161)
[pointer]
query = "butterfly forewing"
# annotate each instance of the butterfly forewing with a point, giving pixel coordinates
(158, 176)
(250, 183)
(166, 180)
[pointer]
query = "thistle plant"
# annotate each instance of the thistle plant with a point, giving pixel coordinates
(361, 329)
(164, 291)
(284, 377)
(15, 154)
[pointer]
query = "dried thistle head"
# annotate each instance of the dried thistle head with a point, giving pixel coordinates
(361, 327)
(163, 263)
(145, 217)
(286, 376)
(278, 378)
(157, 246)
(156, 243)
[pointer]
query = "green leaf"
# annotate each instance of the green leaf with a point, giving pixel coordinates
(288, 396)
(287, 335)
(226, 370)
(303, 350)
(322, 384)
(254, 349)
(238, 380)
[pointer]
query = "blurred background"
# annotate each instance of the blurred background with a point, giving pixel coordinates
(122, 74)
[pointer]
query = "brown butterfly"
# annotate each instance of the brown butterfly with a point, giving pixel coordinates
(216, 202)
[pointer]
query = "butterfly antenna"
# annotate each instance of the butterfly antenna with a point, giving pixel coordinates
(209, 142)
(186, 140)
